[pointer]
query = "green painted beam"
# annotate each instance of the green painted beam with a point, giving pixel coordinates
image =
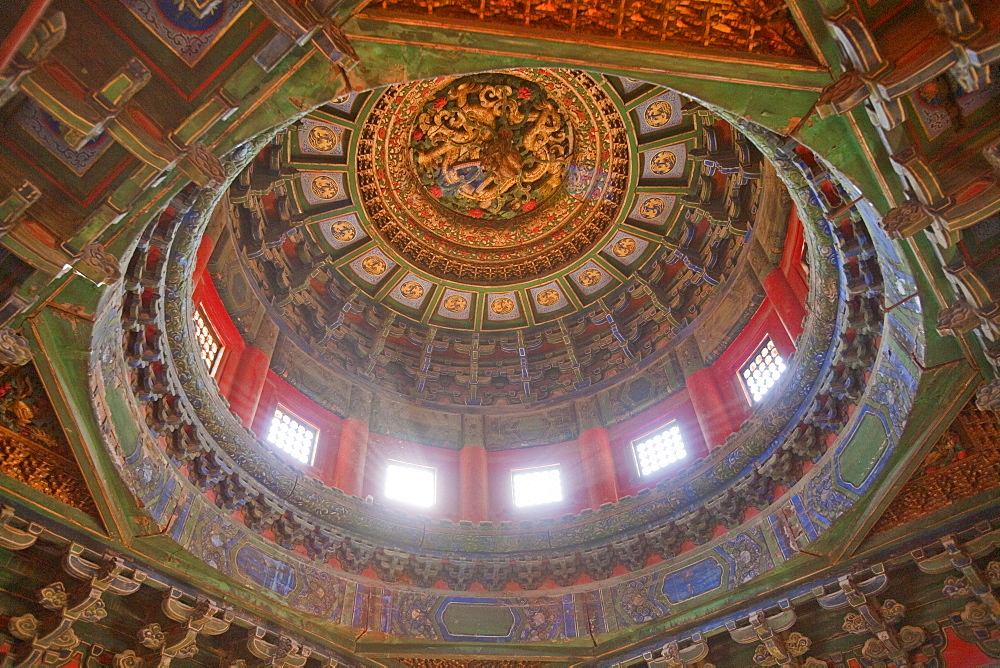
(942, 393)
(60, 344)
(771, 90)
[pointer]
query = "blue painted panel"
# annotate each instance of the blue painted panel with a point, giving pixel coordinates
(698, 578)
(268, 572)
(807, 524)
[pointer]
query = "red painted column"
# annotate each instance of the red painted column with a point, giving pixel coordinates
(250, 375)
(227, 372)
(325, 462)
(349, 474)
(598, 466)
(473, 484)
(709, 407)
(788, 307)
(201, 262)
(247, 383)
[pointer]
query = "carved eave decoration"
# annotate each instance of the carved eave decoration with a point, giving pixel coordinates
(730, 26)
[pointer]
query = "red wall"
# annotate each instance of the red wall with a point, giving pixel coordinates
(566, 455)
(382, 448)
(206, 296)
(677, 407)
(277, 390)
(765, 322)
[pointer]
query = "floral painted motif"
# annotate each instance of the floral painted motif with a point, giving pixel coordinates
(637, 600)
(411, 616)
(748, 556)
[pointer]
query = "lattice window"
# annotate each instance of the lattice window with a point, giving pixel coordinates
(762, 371)
(208, 342)
(410, 483)
(293, 436)
(534, 487)
(660, 449)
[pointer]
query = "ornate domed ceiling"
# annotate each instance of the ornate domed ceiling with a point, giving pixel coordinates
(494, 178)
(500, 239)
(484, 262)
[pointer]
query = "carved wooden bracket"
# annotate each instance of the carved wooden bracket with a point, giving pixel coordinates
(14, 538)
(777, 648)
(974, 582)
(51, 639)
(98, 265)
(159, 646)
(283, 653)
(674, 656)
(85, 119)
(300, 24)
(44, 37)
(962, 47)
(13, 206)
(873, 618)
(13, 348)
(988, 397)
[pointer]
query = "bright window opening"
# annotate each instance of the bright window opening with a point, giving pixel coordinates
(293, 436)
(208, 342)
(534, 487)
(660, 449)
(410, 483)
(762, 371)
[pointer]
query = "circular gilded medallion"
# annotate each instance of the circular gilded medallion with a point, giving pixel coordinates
(456, 303)
(652, 208)
(590, 277)
(658, 114)
(343, 231)
(502, 306)
(374, 265)
(323, 138)
(491, 146)
(411, 290)
(663, 162)
(624, 247)
(547, 297)
(324, 187)
(493, 178)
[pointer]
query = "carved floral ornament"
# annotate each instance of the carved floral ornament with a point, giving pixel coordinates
(728, 25)
(13, 348)
(493, 178)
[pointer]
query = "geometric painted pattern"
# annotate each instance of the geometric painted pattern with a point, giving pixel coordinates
(292, 435)
(48, 132)
(660, 449)
(181, 30)
(763, 370)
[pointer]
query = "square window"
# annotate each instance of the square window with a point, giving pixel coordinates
(208, 342)
(293, 436)
(659, 449)
(410, 483)
(762, 371)
(534, 487)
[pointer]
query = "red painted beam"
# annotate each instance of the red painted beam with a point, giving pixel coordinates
(13, 41)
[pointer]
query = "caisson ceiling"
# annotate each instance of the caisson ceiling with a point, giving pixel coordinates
(482, 238)
(500, 240)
